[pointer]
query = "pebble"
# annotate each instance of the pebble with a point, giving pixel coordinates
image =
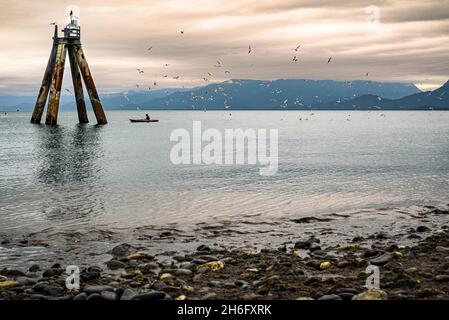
(128, 294)
(49, 290)
(330, 297)
(95, 296)
(154, 295)
(208, 258)
(199, 261)
(166, 276)
(241, 284)
(121, 251)
(52, 273)
(8, 284)
(343, 264)
(97, 289)
(80, 296)
(159, 285)
(314, 247)
(115, 264)
(442, 249)
(442, 278)
(148, 267)
(140, 256)
(183, 272)
(411, 270)
(203, 247)
(382, 260)
(325, 265)
(422, 229)
(374, 294)
(11, 273)
(371, 253)
(130, 274)
(346, 295)
(34, 268)
(302, 245)
(90, 275)
(108, 295)
(25, 281)
(209, 296)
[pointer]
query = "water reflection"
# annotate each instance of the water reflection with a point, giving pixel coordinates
(70, 171)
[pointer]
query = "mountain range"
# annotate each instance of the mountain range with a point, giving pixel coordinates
(241, 94)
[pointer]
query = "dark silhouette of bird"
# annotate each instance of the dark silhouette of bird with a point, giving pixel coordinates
(53, 23)
(68, 91)
(367, 74)
(155, 83)
(295, 59)
(149, 49)
(328, 61)
(297, 48)
(249, 49)
(182, 31)
(227, 71)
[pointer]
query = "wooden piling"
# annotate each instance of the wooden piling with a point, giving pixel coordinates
(45, 86)
(56, 84)
(90, 85)
(77, 86)
(54, 73)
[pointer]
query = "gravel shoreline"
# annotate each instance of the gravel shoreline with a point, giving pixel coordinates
(305, 270)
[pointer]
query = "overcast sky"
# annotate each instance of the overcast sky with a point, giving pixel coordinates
(409, 42)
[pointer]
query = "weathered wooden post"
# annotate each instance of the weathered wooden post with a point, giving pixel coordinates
(52, 81)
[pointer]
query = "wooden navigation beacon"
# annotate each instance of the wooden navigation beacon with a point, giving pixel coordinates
(54, 72)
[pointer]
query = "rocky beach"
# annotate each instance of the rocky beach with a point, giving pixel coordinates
(413, 264)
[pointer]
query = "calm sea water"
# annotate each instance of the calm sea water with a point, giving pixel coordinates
(120, 175)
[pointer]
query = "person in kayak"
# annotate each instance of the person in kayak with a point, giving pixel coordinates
(147, 117)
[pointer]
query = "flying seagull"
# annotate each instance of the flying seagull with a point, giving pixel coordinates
(149, 49)
(328, 61)
(295, 59)
(297, 48)
(249, 49)
(53, 23)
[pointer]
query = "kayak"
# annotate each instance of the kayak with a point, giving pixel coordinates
(143, 120)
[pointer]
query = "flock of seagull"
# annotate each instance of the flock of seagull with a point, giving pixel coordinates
(219, 64)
